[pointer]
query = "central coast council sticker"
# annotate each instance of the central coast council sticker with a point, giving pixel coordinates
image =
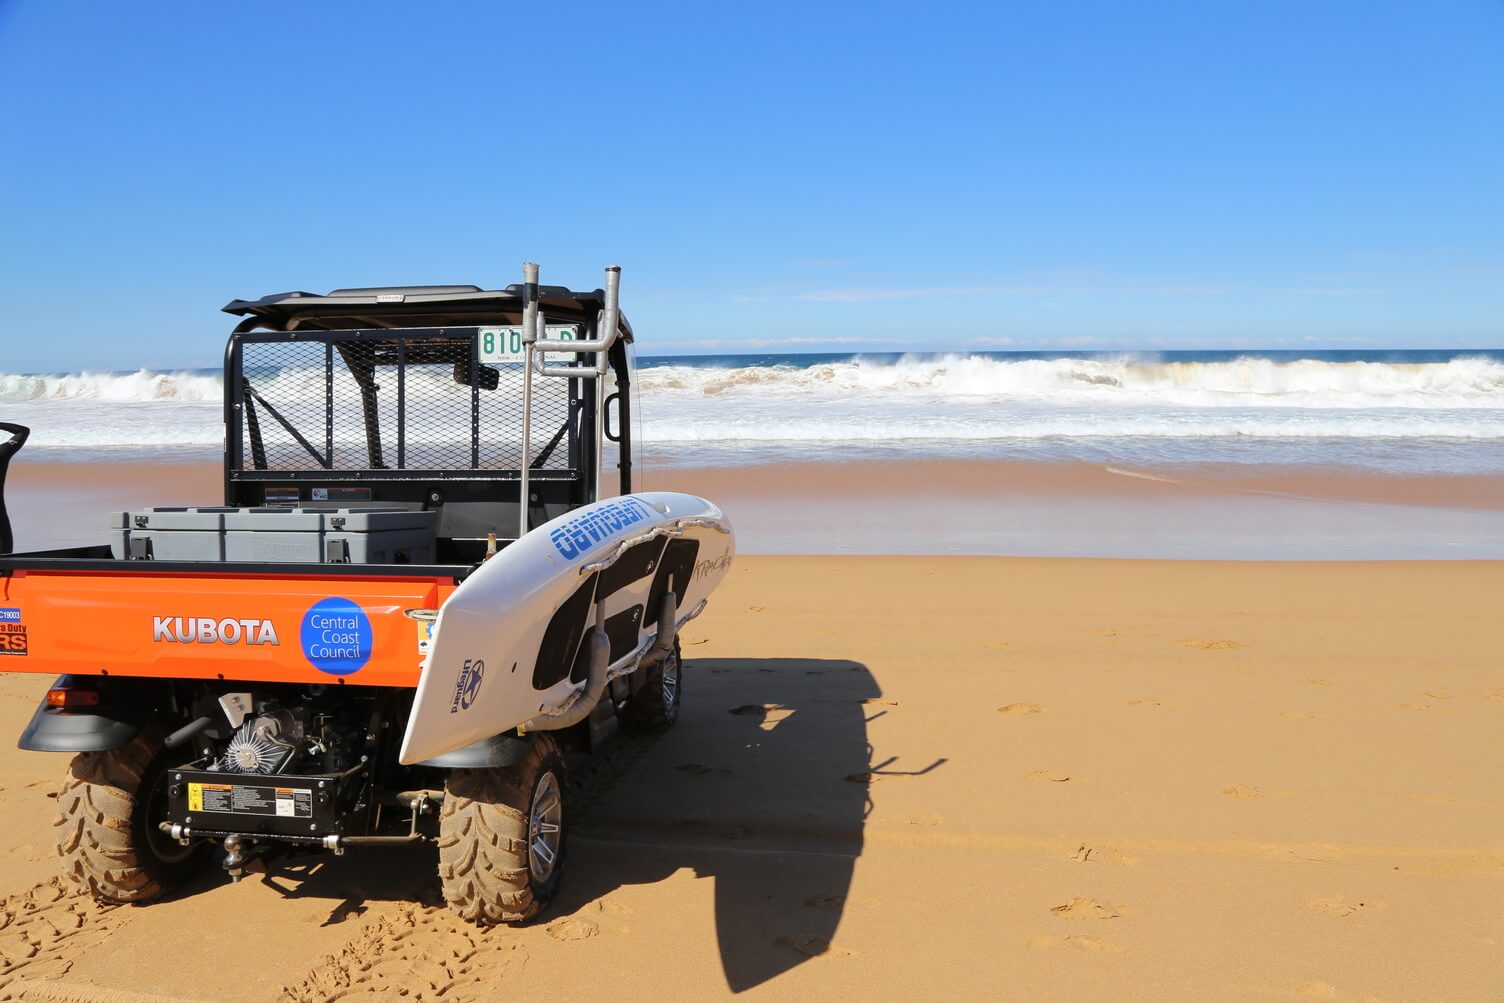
(336, 636)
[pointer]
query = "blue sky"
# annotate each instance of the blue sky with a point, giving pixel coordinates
(771, 177)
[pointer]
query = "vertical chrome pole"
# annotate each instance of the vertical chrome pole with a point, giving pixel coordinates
(529, 335)
(609, 320)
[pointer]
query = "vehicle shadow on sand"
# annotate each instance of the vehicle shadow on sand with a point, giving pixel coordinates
(764, 787)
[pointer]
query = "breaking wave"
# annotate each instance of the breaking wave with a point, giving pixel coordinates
(140, 386)
(1396, 413)
(1242, 382)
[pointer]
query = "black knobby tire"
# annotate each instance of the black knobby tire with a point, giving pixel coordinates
(655, 705)
(108, 811)
(488, 867)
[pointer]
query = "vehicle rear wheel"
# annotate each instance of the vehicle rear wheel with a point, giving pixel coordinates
(107, 833)
(655, 706)
(501, 836)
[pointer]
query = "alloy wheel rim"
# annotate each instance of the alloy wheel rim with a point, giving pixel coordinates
(545, 828)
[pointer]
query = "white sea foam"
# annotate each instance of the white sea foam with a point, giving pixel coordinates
(1245, 382)
(1043, 407)
(140, 386)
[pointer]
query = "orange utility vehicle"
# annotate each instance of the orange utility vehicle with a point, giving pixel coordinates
(240, 675)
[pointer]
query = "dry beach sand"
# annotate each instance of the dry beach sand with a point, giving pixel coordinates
(913, 778)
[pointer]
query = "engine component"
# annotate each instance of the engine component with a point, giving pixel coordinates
(256, 748)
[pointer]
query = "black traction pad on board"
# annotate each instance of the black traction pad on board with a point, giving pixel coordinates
(624, 629)
(675, 572)
(633, 566)
(561, 640)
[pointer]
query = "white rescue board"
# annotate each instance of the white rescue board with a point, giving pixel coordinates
(506, 646)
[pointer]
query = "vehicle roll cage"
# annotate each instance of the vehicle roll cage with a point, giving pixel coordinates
(369, 329)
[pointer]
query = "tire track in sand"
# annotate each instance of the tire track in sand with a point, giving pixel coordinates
(419, 953)
(43, 929)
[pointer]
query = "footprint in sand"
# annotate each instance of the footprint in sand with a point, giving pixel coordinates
(1243, 792)
(1439, 694)
(1496, 694)
(755, 609)
(1021, 708)
(1085, 908)
(1101, 854)
(1218, 644)
(1319, 682)
(690, 641)
(572, 928)
(1424, 707)
(885, 703)
(1316, 853)
(1077, 942)
(610, 908)
(1103, 632)
(929, 818)
(1316, 991)
(1053, 776)
(1336, 905)
(1145, 702)
(813, 947)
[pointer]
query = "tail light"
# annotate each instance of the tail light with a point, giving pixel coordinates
(72, 696)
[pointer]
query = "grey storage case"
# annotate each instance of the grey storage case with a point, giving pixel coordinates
(325, 535)
(165, 533)
(276, 535)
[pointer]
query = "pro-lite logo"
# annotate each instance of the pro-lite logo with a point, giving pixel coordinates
(207, 630)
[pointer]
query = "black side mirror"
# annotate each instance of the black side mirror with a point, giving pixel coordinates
(486, 377)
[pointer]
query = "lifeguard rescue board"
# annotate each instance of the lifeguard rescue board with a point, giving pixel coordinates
(507, 644)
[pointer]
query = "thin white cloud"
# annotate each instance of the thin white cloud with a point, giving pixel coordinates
(718, 343)
(865, 295)
(869, 294)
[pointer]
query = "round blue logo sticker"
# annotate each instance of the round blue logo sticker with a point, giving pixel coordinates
(337, 636)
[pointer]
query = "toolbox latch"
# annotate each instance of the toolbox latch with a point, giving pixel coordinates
(141, 548)
(336, 551)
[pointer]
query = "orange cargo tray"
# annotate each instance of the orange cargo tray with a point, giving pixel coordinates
(345, 629)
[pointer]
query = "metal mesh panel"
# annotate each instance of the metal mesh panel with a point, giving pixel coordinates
(399, 402)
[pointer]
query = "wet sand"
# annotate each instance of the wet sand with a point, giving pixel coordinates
(932, 778)
(946, 507)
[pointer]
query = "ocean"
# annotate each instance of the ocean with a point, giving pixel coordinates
(1398, 412)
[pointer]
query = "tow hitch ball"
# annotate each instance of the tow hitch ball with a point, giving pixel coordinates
(234, 863)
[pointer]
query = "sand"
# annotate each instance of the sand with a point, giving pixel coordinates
(932, 778)
(1004, 508)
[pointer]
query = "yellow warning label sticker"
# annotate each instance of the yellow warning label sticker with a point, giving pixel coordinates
(196, 796)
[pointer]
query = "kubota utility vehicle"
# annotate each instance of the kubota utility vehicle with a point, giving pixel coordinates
(415, 600)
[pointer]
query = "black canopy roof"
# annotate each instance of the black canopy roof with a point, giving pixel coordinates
(415, 306)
